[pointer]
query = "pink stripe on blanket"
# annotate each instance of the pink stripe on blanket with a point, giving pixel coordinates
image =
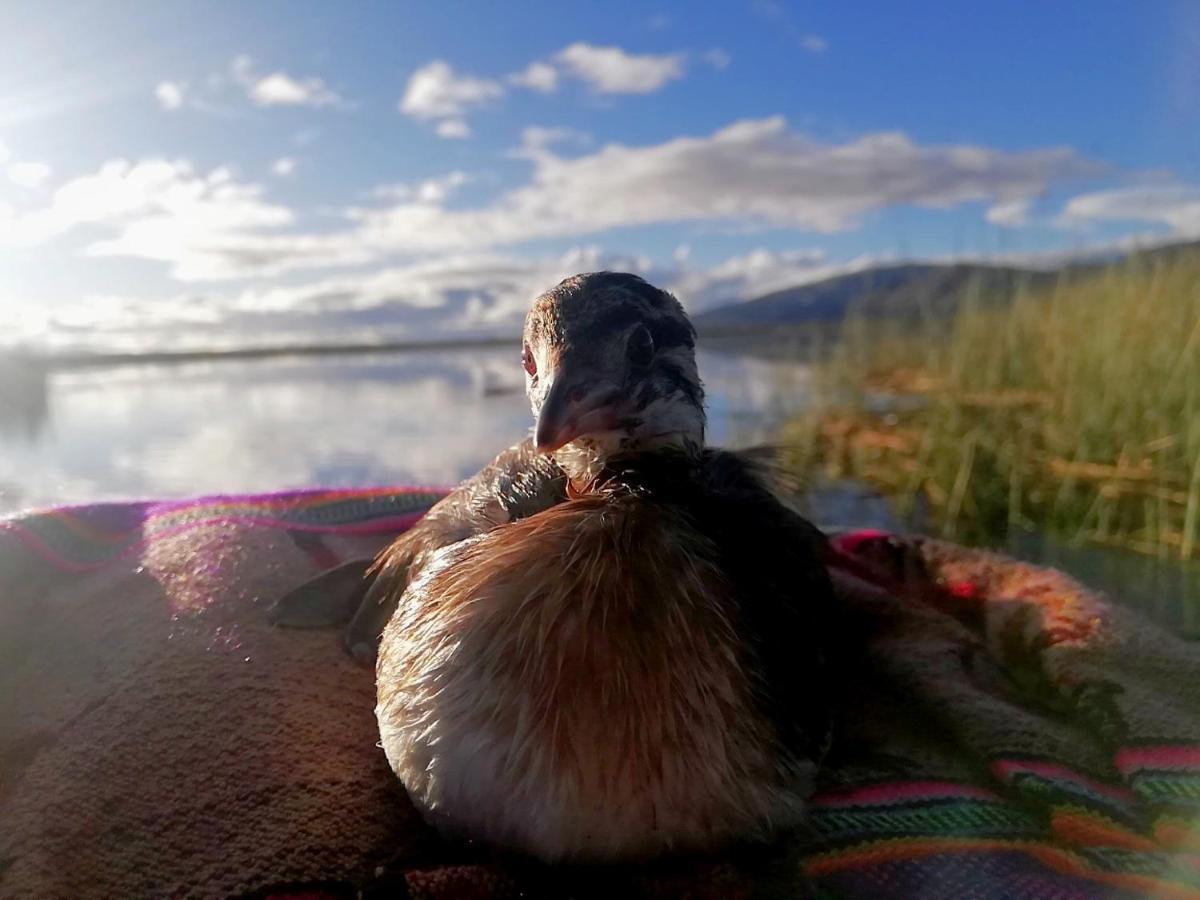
(850, 542)
(389, 524)
(288, 500)
(1132, 759)
(903, 791)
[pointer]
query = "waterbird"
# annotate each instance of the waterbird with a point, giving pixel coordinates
(610, 643)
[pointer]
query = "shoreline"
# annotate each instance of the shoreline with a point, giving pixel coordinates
(709, 338)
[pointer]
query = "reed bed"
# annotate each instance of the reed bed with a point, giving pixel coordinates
(1073, 410)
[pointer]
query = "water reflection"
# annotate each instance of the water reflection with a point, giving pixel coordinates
(23, 397)
(1165, 590)
(428, 417)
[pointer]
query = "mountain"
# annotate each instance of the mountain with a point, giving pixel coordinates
(902, 291)
(912, 290)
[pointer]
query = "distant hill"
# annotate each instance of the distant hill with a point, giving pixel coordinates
(903, 291)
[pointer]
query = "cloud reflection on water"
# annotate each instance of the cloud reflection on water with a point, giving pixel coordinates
(418, 417)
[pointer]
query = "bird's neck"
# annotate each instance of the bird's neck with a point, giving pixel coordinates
(585, 459)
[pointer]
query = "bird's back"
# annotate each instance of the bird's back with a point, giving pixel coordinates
(591, 682)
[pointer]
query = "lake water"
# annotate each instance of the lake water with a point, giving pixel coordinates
(413, 417)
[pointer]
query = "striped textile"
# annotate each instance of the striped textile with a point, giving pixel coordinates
(1008, 733)
(83, 538)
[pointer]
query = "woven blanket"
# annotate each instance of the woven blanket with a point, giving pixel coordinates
(1006, 732)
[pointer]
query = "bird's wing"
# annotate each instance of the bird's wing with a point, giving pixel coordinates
(324, 601)
(776, 560)
(519, 482)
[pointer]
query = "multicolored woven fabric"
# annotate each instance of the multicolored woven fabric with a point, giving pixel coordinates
(82, 538)
(1007, 733)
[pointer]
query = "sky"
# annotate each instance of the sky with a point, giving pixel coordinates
(206, 174)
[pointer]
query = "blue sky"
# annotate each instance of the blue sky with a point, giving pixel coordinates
(186, 173)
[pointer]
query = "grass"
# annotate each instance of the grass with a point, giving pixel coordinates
(1073, 410)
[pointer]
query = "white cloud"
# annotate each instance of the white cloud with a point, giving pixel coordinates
(610, 70)
(445, 296)
(1011, 213)
(1175, 205)
(537, 76)
(436, 92)
(814, 43)
(284, 166)
(453, 129)
(750, 275)
(752, 172)
(204, 225)
(170, 94)
(536, 139)
(23, 173)
(280, 88)
(431, 190)
(28, 174)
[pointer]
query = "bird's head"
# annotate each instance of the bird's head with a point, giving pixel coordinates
(610, 367)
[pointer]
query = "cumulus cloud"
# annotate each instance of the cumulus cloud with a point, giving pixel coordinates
(751, 174)
(1011, 213)
(748, 275)
(431, 190)
(281, 89)
(284, 166)
(170, 94)
(453, 129)
(29, 174)
(452, 295)
(611, 70)
(23, 173)
(202, 224)
(1177, 206)
(449, 295)
(536, 139)
(435, 92)
(537, 76)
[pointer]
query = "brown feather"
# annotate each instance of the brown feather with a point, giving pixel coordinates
(573, 686)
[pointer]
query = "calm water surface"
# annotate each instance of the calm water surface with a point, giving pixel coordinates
(414, 417)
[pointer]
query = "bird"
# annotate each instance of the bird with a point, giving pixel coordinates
(611, 643)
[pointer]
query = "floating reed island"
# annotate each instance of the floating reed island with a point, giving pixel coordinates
(1072, 409)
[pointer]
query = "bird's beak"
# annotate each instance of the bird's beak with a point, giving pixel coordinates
(568, 413)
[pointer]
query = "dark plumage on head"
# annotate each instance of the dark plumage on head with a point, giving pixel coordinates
(610, 364)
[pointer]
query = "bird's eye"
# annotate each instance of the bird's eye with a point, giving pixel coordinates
(528, 361)
(640, 348)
